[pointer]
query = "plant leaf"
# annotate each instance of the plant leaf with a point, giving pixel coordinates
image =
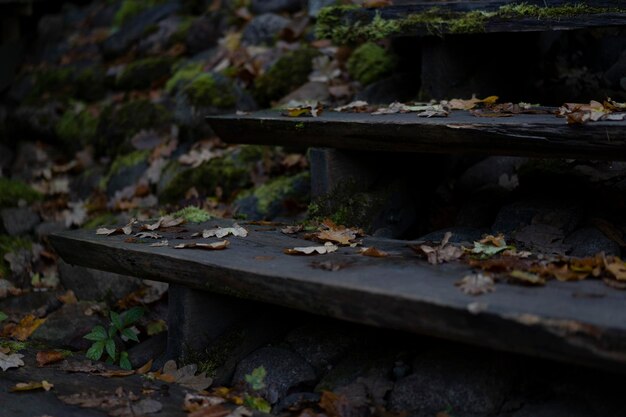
(96, 334)
(257, 378)
(110, 347)
(96, 350)
(130, 335)
(124, 361)
(116, 320)
(131, 316)
(3, 316)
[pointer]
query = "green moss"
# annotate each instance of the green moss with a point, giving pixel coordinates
(224, 172)
(277, 190)
(13, 345)
(10, 244)
(347, 205)
(369, 62)
(180, 36)
(103, 219)
(183, 75)
(221, 351)
(348, 24)
(83, 84)
(206, 91)
(119, 123)
(89, 83)
(131, 8)
(76, 129)
(12, 191)
(289, 72)
(143, 73)
(252, 154)
(128, 160)
(193, 214)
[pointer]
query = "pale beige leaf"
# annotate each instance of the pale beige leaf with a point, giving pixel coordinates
(312, 250)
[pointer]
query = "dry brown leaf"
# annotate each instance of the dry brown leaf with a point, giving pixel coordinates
(194, 402)
(220, 232)
(160, 244)
(50, 356)
(373, 252)
(145, 368)
(439, 254)
(527, 278)
(312, 250)
(68, 298)
(358, 106)
(126, 230)
(186, 376)
(497, 240)
(206, 246)
(164, 222)
(476, 284)
(29, 386)
(290, 230)
(340, 236)
(459, 104)
(26, 327)
(616, 267)
(148, 235)
(375, 4)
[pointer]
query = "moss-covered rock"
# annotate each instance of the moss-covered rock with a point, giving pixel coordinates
(143, 73)
(76, 128)
(10, 244)
(227, 172)
(193, 214)
(289, 72)
(279, 196)
(183, 75)
(131, 8)
(101, 219)
(370, 62)
(208, 90)
(68, 82)
(120, 123)
(12, 191)
(125, 170)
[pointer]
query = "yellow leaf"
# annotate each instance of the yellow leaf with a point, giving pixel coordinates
(26, 327)
(29, 386)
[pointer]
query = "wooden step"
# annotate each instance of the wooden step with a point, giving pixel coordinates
(427, 18)
(582, 322)
(538, 135)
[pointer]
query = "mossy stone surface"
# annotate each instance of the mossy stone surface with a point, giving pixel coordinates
(183, 75)
(76, 128)
(131, 8)
(193, 214)
(209, 90)
(270, 199)
(10, 244)
(12, 191)
(226, 172)
(370, 62)
(79, 83)
(143, 73)
(288, 73)
(120, 123)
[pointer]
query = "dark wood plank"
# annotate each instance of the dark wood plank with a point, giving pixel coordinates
(423, 18)
(532, 135)
(400, 292)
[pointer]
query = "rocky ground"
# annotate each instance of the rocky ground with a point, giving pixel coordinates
(104, 122)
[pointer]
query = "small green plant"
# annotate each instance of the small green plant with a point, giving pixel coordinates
(256, 380)
(3, 316)
(104, 340)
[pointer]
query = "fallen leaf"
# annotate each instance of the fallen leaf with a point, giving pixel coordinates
(616, 267)
(29, 386)
(476, 284)
(160, 244)
(358, 106)
(127, 230)
(50, 356)
(289, 230)
(373, 252)
(164, 223)
(527, 278)
(148, 235)
(374, 4)
(186, 376)
(207, 246)
(303, 110)
(439, 254)
(497, 240)
(195, 401)
(145, 368)
(313, 250)
(220, 232)
(217, 410)
(68, 298)
(13, 360)
(26, 327)
(459, 104)
(487, 250)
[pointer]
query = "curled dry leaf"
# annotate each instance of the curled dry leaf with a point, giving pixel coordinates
(358, 106)
(50, 356)
(373, 252)
(527, 278)
(290, 230)
(126, 230)
(26, 327)
(476, 284)
(194, 402)
(439, 254)
(160, 244)
(313, 250)
(206, 246)
(148, 235)
(616, 268)
(12, 360)
(303, 110)
(29, 386)
(497, 240)
(220, 232)
(459, 104)
(164, 222)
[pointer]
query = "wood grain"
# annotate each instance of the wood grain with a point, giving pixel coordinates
(543, 136)
(582, 322)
